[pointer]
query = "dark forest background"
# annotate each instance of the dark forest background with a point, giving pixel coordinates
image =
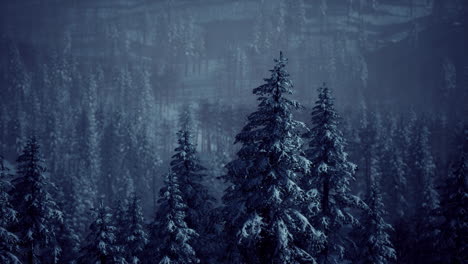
(102, 84)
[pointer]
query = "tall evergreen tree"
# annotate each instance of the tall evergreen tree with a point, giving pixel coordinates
(120, 223)
(69, 241)
(395, 172)
(399, 192)
(331, 175)
(454, 227)
(100, 244)
(426, 199)
(39, 215)
(114, 149)
(8, 217)
(135, 234)
(190, 174)
(171, 238)
(91, 153)
(369, 137)
(371, 239)
(264, 222)
(67, 236)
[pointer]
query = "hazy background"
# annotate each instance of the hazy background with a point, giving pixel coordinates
(101, 82)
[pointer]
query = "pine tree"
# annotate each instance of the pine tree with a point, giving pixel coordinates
(369, 139)
(67, 236)
(8, 217)
(399, 194)
(100, 244)
(454, 227)
(264, 222)
(427, 200)
(120, 223)
(331, 175)
(171, 238)
(190, 174)
(394, 175)
(371, 239)
(39, 215)
(135, 234)
(91, 154)
(69, 241)
(114, 149)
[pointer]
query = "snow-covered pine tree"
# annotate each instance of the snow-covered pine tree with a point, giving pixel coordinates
(190, 174)
(400, 195)
(38, 214)
(426, 199)
(171, 238)
(99, 246)
(452, 246)
(69, 241)
(67, 237)
(262, 205)
(114, 147)
(91, 138)
(120, 223)
(331, 175)
(135, 235)
(394, 175)
(370, 130)
(371, 239)
(8, 216)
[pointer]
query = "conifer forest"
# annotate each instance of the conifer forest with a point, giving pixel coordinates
(233, 131)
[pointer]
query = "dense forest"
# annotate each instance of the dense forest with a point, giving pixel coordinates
(233, 131)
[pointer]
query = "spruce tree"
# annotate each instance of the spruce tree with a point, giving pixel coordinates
(331, 175)
(395, 172)
(100, 244)
(38, 214)
(171, 238)
(69, 242)
(190, 174)
(135, 234)
(426, 199)
(67, 236)
(371, 239)
(264, 222)
(399, 193)
(8, 217)
(377, 246)
(452, 247)
(120, 223)
(370, 135)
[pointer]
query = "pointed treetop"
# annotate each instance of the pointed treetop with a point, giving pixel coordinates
(281, 61)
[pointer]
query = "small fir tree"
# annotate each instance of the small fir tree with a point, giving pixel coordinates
(452, 246)
(8, 217)
(135, 234)
(120, 223)
(171, 238)
(100, 244)
(331, 175)
(39, 215)
(190, 173)
(427, 201)
(371, 240)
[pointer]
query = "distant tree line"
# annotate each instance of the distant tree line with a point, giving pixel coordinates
(293, 194)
